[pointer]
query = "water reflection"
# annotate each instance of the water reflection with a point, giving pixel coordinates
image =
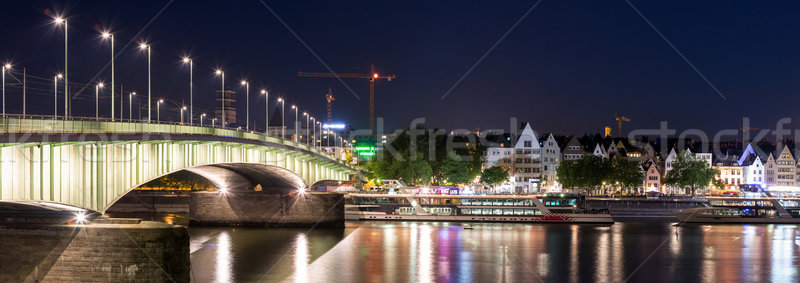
(445, 252)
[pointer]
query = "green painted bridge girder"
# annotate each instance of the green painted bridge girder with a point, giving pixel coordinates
(94, 174)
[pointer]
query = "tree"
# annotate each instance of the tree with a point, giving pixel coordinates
(688, 172)
(494, 176)
(455, 172)
(587, 173)
(625, 173)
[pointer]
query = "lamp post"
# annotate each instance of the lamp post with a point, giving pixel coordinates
(295, 123)
(191, 88)
(55, 94)
(266, 110)
(111, 37)
(182, 109)
(97, 88)
(158, 110)
(247, 110)
(201, 119)
(308, 138)
(222, 95)
(283, 121)
(313, 132)
(320, 132)
(212, 122)
(130, 106)
(5, 67)
(149, 109)
(59, 21)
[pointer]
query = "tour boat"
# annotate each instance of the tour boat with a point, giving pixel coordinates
(548, 208)
(744, 210)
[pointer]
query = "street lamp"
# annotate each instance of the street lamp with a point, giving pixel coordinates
(130, 106)
(266, 109)
(182, 109)
(58, 21)
(314, 132)
(55, 94)
(283, 121)
(212, 121)
(191, 88)
(111, 37)
(158, 110)
(222, 95)
(247, 110)
(5, 67)
(308, 138)
(295, 123)
(201, 119)
(144, 46)
(320, 132)
(97, 100)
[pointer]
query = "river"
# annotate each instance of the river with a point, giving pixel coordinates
(447, 252)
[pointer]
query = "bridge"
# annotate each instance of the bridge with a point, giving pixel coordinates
(92, 163)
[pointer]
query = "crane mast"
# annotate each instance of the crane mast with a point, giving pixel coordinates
(372, 77)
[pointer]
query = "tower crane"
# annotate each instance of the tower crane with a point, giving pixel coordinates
(330, 99)
(620, 119)
(372, 77)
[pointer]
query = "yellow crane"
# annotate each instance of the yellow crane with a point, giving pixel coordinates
(330, 99)
(372, 77)
(620, 119)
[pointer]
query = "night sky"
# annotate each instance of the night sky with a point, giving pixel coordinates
(568, 66)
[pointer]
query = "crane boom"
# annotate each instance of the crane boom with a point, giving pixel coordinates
(372, 76)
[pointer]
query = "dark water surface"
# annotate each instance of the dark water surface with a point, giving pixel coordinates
(446, 252)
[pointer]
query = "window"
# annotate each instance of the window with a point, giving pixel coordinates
(527, 143)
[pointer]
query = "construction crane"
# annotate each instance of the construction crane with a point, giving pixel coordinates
(620, 119)
(746, 129)
(372, 77)
(330, 99)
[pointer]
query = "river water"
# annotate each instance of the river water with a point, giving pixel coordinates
(447, 252)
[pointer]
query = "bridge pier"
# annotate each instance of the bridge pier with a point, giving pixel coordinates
(248, 208)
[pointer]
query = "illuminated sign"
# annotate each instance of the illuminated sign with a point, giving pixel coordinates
(333, 126)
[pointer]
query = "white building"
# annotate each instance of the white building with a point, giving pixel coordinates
(551, 158)
(599, 151)
(752, 168)
(527, 162)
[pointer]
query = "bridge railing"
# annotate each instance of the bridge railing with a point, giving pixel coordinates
(49, 124)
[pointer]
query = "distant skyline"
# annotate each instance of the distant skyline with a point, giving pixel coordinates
(566, 67)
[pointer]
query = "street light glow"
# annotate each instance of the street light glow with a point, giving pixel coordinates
(186, 59)
(100, 85)
(59, 20)
(263, 91)
(59, 76)
(244, 82)
(106, 35)
(143, 46)
(375, 75)
(218, 72)
(8, 66)
(160, 101)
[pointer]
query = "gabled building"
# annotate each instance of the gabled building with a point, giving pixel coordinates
(770, 171)
(785, 172)
(652, 178)
(731, 175)
(599, 151)
(527, 162)
(573, 150)
(752, 167)
(551, 159)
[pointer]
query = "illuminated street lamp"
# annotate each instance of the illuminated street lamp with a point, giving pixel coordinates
(212, 121)
(97, 100)
(283, 121)
(308, 137)
(247, 109)
(320, 132)
(201, 119)
(111, 37)
(182, 109)
(266, 109)
(130, 105)
(295, 122)
(55, 94)
(313, 132)
(58, 21)
(5, 67)
(144, 46)
(222, 95)
(158, 110)
(191, 88)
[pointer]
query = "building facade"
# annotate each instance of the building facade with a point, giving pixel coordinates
(551, 159)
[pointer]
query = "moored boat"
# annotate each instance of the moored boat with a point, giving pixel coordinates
(743, 210)
(548, 208)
